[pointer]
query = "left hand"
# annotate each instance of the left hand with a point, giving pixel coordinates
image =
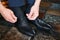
(34, 13)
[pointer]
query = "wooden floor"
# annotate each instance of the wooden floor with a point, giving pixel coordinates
(14, 34)
(52, 14)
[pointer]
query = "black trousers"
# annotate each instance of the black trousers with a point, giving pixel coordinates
(18, 10)
(19, 3)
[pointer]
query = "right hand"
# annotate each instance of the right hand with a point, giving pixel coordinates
(8, 15)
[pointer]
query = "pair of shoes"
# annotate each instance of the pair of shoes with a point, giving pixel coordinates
(22, 24)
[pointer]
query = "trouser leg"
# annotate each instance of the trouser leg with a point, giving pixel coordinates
(22, 23)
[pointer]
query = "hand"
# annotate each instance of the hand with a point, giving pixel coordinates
(8, 15)
(34, 13)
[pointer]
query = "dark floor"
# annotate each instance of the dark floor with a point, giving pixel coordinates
(14, 34)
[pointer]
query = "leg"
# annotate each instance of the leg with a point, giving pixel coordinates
(22, 24)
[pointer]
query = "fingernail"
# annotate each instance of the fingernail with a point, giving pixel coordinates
(26, 14)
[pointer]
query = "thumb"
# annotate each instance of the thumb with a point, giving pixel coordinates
(27, 14)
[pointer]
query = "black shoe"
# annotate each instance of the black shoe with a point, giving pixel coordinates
(42, 25)
(22, 23)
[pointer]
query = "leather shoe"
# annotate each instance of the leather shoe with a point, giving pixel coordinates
(41, 25)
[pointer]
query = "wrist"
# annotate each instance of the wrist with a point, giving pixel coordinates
(37, 3)
(1, 7)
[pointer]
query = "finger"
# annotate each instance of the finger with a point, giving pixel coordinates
(27, 15)
(11, 20)
(31, 17)
(8, 18)
(30, 14)
(34, 16)
(14, 17)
